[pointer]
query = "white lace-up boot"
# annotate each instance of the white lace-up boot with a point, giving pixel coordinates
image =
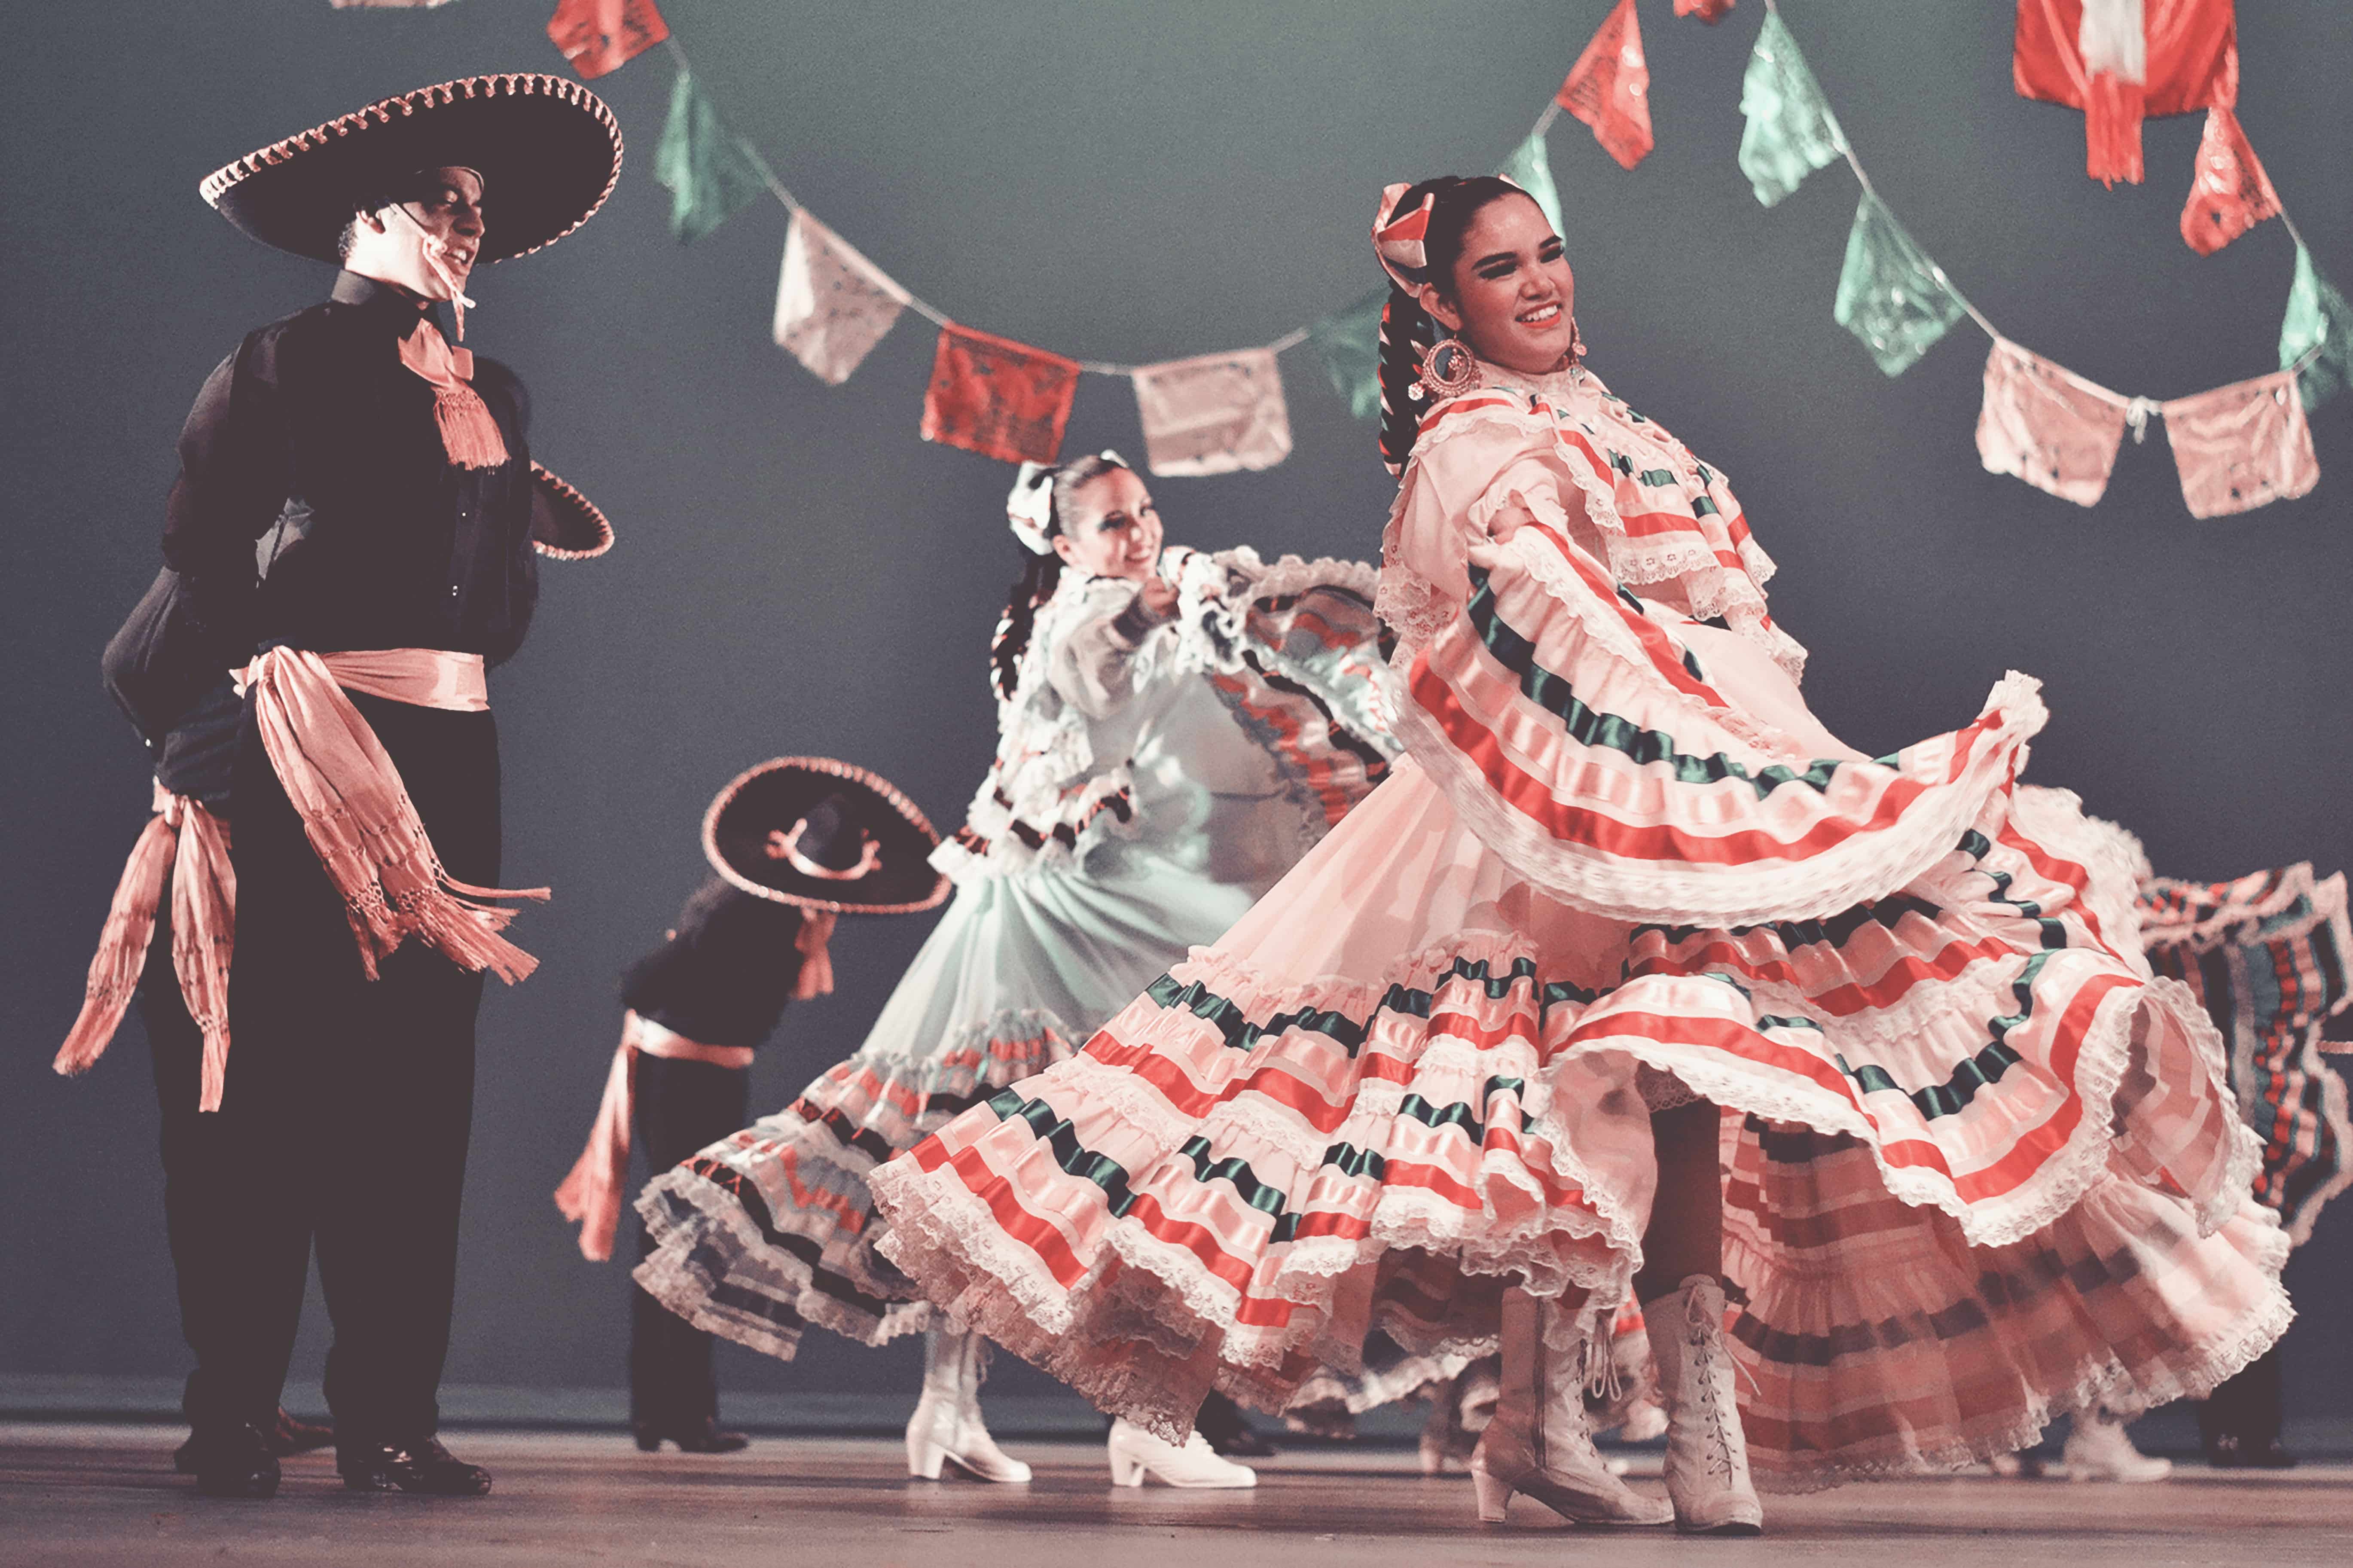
(1135, 1453)
(2100, 1449)
(1537, 1443)
(1708, 1453)
(948, 1428)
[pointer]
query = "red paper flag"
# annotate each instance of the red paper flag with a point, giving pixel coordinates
(601, 35)
(1608, 87)
(2229, 193)
(999, 398)
(2190, 61)
(1708, 11)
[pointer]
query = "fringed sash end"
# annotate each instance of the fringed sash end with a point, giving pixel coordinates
(591, 1193)
(358, 816)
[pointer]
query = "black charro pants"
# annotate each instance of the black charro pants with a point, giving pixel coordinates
(236, 1266)
(2247, 1407)
(345, 1122)
(681, 1107)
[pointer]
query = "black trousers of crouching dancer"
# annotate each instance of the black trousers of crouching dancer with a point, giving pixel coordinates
(681, 1107)
(345, 1120)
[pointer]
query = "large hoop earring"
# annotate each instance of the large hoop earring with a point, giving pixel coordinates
(1576, 346)
(1448, 370)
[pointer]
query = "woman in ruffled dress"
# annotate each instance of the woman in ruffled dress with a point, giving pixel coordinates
(1629, 974)
(1176, 728)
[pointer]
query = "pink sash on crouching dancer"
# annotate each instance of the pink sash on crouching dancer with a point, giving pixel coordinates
(194, 844)
(357, 812)
(591, 1194)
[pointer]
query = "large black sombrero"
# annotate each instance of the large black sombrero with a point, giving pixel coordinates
(825, 835)
(547, 149)
(564, 523)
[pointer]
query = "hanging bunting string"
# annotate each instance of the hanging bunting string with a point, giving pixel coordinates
(939, 318)
(2035, 424)
(833, 304)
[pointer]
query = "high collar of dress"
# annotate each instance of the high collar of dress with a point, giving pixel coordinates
(1557, 386)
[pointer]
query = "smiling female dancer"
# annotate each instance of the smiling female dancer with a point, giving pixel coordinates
(1176, 729)
(1629, 973)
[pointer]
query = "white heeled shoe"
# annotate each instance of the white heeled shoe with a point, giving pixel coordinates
(2100, 1449)
(1538, 1444)
(1707, 1452)
(948, 1428)
(1135, 1453)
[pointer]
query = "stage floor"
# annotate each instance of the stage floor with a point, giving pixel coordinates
(101, 1494)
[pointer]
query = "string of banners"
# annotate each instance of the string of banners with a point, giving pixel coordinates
(2236, 447)
(1207, 413)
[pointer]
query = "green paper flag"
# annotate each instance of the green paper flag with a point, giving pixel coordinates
(1890, 294)
(710, 176)
(1791, 130)
(2317, 317)
(1350, 343)
(1530, 168)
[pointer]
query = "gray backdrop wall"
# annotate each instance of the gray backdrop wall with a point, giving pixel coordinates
(797, 572)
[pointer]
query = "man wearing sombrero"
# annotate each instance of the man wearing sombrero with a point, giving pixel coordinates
(382, 480)
(794, 843)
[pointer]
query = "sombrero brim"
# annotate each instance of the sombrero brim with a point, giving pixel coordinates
(564, 524)
(547, 149)
(775, 795)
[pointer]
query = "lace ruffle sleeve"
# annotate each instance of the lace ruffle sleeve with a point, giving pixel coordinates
(1585, 747)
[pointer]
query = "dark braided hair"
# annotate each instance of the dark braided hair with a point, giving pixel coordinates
(1040, 575)
(1406, 330)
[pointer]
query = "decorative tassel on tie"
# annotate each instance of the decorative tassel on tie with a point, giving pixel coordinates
(468, 435)
(815, 977)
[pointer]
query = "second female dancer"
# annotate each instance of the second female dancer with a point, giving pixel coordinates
(1176, 728)
(1632, 975)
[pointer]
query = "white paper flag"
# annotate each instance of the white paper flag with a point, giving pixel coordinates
(1213, 415)
(832, 304)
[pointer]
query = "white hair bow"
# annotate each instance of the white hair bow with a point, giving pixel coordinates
(1030, 508)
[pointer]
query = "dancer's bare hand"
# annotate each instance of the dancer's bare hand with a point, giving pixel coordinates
(1158, 598)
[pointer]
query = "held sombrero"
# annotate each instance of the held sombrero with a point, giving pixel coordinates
(564, 524)
(547, 149)
(824, 835)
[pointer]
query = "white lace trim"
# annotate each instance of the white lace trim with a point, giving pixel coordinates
(1046, 768)
(2102, 1380)
(721, 1243)
(1708, 588)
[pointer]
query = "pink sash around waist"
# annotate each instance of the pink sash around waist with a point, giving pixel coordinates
(357, 811)
(194, 844)
(591, 1193)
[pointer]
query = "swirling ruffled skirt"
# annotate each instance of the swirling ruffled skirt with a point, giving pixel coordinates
(773, 1229)
(1981, 1167)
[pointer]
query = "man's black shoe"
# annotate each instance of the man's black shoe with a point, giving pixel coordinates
(1228, 1431)
(233, 1461)
(286, 1436)
(2229, 1451)
(425, 1467)
(703, 1438)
